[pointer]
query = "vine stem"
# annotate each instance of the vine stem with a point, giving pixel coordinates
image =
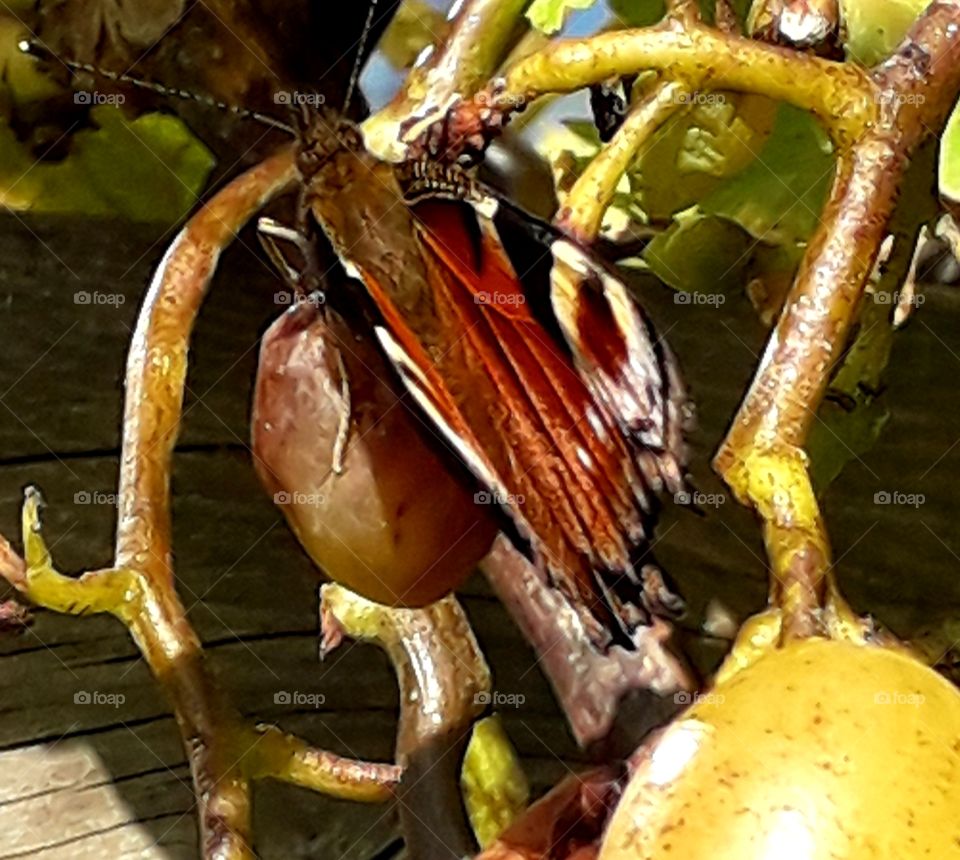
(445, 685)
(225, 752)
(762, 458)
(581, 216)
(841, 95)
(481, 37)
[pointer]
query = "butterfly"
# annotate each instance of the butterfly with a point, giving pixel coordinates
(528, 356)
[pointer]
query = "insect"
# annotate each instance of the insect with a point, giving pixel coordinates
(526, 354)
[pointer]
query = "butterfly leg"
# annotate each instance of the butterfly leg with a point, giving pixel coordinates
(343, 430)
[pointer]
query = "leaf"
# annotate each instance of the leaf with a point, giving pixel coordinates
(548, 15)
(949, 167)
(584, 129)
(779, 196)
(696, 151)
(700, 254)
(150, 169)
(415, 25)
(638, 13)
(842, 435)
(876, 27)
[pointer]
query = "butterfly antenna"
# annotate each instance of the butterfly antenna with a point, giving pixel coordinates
(358, 62)
(42, 52)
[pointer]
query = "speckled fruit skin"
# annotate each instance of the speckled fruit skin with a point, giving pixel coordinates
(822, 749)
(396, 525)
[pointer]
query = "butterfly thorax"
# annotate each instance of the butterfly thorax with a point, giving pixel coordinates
(358, 202)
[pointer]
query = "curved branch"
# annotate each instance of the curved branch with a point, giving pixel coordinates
(157, 362)
(482, 35)
(225, 753)
(444, 685)
(581, 216)
(840, 94)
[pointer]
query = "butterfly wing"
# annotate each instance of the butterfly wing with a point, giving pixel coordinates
(463, 299)
(544, 427)
(625, 364)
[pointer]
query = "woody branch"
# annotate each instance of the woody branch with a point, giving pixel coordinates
(225, 752)
(762, 458)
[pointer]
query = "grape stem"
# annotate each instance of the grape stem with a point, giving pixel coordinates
(225, 752)
(762, 458)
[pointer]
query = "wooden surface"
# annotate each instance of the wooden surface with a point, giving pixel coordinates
(109, 779)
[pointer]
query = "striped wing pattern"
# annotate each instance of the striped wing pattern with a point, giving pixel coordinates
(572, 435)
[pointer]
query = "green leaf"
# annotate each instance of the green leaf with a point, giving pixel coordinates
(638, 13)
(696, 151)
(854, 413)
(548, 15)
(949, 167)
(876, 27)
(842, 435)
(585, 129)
(699, 254)
(779, 196)
(150, 169)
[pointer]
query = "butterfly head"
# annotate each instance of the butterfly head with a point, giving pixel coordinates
(323, 134)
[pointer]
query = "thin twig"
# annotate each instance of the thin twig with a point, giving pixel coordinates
(581, 216)
(481, 37)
